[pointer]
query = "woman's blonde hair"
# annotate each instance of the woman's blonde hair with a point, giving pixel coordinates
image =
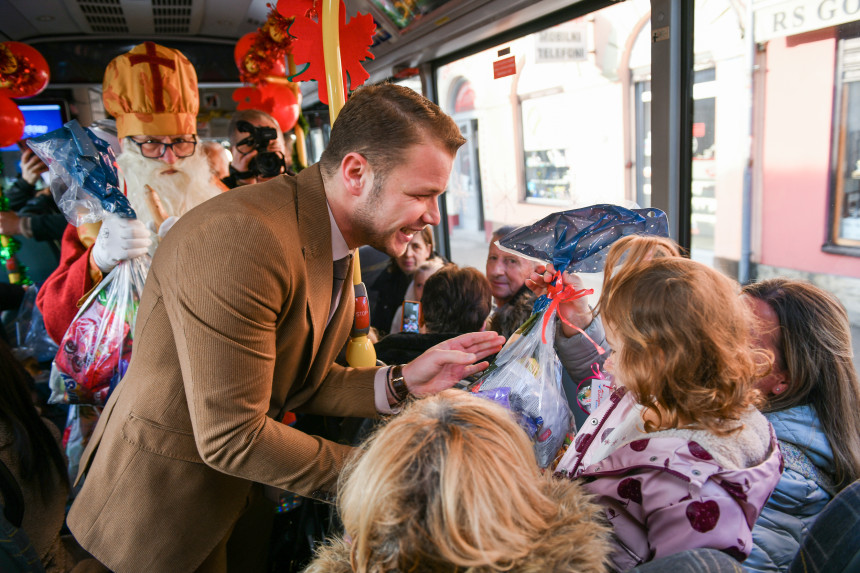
(686, 348)
(450, 482)
(814, 350)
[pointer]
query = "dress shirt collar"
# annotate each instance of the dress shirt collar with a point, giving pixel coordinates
(339, 248)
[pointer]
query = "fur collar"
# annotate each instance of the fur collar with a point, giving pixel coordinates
(745, 448)
(575, 541)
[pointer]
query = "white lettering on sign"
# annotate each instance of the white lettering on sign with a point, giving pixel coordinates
(566, 42)
(32, 130)
(790, 17)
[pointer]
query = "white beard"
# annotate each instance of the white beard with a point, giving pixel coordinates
(179, 192)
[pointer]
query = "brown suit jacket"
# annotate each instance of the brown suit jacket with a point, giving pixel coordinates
(231, 330)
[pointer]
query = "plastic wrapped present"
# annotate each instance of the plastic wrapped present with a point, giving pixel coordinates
(95, 351)
(525, 377)
(578, 240)
(83, 174)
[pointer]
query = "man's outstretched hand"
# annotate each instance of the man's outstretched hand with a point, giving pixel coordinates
(448, 362)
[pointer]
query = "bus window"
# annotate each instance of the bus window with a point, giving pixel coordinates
(552, 135)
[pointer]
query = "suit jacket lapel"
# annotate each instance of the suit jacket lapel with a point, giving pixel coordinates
(315, 231)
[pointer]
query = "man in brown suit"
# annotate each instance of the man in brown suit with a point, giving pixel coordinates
(239, 322)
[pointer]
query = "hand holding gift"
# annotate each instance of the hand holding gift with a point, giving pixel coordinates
(526, 375)
(95, 351)
(119, 239)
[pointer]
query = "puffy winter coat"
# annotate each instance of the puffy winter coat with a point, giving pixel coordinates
(672, 490)
(800, 495)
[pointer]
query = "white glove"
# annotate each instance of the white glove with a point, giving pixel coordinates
(119, 239)
(166, 226)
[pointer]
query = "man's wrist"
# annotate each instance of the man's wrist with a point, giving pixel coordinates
(396, 385)
(25, 226)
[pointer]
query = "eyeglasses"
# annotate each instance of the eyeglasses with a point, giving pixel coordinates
(156, 149)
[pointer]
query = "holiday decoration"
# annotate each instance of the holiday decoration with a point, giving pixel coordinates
(258, 60)
(355, 39)
(8, 247)
(11, 122)
(309, 9)
(23, 70)
(276, 99)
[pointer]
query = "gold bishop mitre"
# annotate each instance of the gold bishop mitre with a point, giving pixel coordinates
(151, 90)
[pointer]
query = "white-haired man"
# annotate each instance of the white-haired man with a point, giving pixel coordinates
(152, 92)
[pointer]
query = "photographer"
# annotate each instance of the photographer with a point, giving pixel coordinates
(258, 147)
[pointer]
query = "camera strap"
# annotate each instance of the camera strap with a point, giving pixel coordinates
(241, 175)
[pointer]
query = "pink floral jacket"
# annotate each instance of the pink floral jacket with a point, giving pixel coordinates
(669, 491)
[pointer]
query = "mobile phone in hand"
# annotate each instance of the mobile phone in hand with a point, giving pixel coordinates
(411, 310)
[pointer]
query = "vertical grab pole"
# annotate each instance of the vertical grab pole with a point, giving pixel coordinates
(359, 349)
(301, 150)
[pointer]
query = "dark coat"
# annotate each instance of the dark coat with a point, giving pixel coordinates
(403, 347)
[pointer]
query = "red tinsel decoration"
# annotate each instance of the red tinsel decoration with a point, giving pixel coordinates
(265, 57)
(8, 63)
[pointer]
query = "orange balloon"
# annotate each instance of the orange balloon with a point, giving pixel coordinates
(11, 122)
(30, 73)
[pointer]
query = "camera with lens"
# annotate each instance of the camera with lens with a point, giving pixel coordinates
(265, 163)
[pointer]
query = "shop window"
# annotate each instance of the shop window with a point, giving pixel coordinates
(845, 203)
(547, 163)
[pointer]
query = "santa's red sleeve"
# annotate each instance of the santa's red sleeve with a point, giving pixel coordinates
(71, 280)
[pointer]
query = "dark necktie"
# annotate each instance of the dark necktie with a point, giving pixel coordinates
(340, 268)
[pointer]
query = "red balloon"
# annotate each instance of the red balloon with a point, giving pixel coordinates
(277, 100)
(243, 46)
(24, 72)
(11, 122)
(284, 105)
(279, 68)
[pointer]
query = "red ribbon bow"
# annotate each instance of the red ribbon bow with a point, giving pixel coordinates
(557, 293)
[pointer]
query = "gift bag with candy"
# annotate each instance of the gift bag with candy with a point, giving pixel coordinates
(94, 353)
(526, 374)
(525, 377)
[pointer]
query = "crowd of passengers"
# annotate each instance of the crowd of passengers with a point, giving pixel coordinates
(733, 424)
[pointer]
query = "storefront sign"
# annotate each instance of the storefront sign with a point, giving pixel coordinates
(564, 43)
(775, 19)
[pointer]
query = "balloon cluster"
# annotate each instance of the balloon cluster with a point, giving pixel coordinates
(260, 55)
(260, 58)
(23, 73)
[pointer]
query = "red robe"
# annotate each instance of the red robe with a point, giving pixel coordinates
(73, 278)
